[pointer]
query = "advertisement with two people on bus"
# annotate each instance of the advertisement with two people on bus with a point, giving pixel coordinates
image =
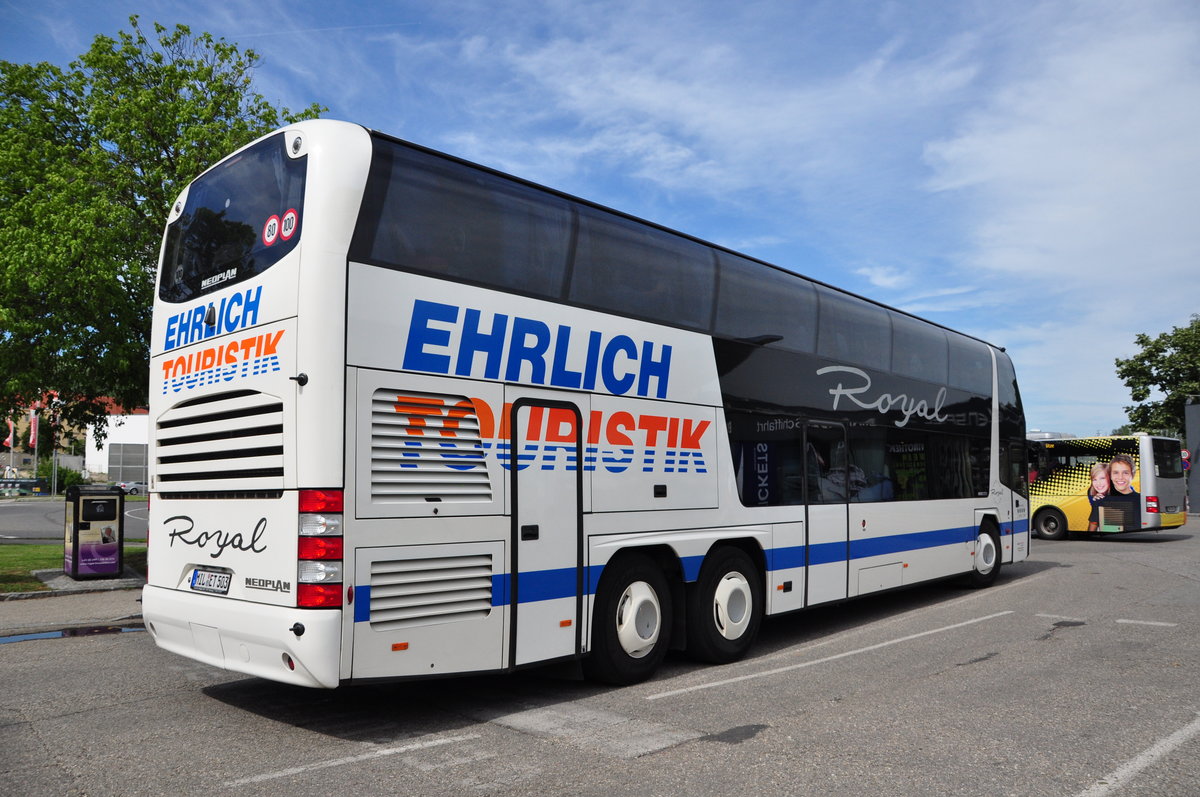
(1115, 503)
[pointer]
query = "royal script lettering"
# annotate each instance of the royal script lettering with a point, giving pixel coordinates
(183, 528)
(884, 403)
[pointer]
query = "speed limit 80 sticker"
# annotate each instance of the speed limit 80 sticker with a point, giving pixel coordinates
(270, 232)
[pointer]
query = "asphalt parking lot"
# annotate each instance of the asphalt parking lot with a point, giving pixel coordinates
(1076, 674)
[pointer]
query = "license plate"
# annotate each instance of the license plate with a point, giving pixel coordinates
(213, 581)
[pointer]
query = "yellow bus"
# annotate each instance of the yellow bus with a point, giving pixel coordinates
(1105, 484)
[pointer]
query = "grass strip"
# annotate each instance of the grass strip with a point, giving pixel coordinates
(17, 563)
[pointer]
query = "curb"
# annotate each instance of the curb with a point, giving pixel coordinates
(61, 584)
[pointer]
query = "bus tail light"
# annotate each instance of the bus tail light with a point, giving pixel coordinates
(1152, 504)
(319, 596)
(320, 550)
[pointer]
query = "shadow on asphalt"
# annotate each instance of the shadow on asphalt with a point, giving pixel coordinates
(392, 712)
(1130, 538)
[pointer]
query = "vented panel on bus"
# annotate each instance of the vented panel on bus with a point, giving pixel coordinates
(229, 443)
(426, 448)
(425, 591)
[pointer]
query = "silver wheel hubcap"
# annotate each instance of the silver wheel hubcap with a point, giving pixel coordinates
(985, 553)
(732, 601)
(639, 619)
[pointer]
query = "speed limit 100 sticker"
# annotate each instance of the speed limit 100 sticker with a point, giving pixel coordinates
(270, 231)
(287, 226)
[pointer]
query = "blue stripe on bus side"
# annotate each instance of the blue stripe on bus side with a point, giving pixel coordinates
(1017, 527)
(878, 546)
(543, 585)
(785, 558)
(362, 603)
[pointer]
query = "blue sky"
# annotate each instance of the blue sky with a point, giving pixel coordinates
(1027, 172)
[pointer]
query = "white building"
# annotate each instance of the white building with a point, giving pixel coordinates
(123, 457)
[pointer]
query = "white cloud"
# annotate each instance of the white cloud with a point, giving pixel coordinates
(1084, 168)
(884, 276)
(1081, 173)
(720, 123)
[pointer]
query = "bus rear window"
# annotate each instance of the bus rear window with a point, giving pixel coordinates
(1168, 459)
(240, 219)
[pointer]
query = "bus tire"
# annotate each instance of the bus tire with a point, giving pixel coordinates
(631, 622)
(725, 607)
(987, 557)
(1050, 524)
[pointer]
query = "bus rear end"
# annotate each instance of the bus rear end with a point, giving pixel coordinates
(1164, 484)
(247, 375)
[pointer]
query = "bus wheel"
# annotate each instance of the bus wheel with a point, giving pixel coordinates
(725, 607)
(1050, 524)
(631, 623)
(987, 557)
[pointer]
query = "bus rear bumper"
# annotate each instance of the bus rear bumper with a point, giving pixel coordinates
(251, 638)
(1172, 520)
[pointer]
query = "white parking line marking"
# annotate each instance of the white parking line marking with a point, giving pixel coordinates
(835, 657)
(1118, 778)
(1061, 617)
(1148, 622)
(337, 762)
(788, 653)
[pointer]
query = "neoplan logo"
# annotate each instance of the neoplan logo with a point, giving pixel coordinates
(269, 584)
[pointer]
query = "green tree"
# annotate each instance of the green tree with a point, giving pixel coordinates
(66, 476)
(91, 158)
(1170, 365)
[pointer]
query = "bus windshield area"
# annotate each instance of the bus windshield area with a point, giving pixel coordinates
(239, 219)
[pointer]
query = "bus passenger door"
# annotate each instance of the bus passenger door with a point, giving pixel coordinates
(826, 478)
(546, 566)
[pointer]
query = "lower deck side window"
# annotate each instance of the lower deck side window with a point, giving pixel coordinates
(786, 460)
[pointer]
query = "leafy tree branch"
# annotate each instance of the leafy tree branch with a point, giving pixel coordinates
(91, 157)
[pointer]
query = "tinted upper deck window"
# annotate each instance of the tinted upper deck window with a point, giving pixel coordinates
(854, 331)
(437, 216)
(627, 267)
(970, 364)
(762, 305)
(919, 350)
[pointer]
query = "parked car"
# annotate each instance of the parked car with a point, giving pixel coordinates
(132, 488)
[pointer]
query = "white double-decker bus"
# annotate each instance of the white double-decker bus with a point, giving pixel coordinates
(414, 418)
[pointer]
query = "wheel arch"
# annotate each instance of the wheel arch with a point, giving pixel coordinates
(748, 545)
(1036, 520)
(986, 519)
